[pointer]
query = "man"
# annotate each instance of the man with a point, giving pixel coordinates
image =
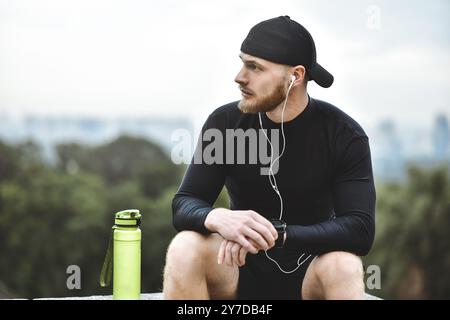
(319, 190)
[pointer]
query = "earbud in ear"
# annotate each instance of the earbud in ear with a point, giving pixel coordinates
(293, 78)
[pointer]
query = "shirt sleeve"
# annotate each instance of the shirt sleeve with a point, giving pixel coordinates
(353, 228)
(202, 182)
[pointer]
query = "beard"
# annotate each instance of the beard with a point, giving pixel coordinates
(265, 103)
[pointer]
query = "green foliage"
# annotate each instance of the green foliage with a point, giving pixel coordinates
(48, 222)
(223, 201)
(8, 162)
(153, 179)
(51, 218)
(21, 160)
(412, 245)
(123, 159)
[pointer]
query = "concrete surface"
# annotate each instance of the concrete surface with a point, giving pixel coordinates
(146, 296)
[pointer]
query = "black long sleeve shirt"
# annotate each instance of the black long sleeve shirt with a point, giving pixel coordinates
(324, 176)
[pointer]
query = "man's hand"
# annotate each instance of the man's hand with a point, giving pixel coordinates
(247, 228)
(232, 253)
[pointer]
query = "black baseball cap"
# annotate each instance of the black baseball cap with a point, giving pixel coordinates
(285, 41)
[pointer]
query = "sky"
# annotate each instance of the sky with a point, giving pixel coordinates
(174, 58)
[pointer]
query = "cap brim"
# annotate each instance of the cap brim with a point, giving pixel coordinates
(321, 76)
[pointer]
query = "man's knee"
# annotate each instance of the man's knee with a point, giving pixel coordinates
(338, 265)
(187, 248)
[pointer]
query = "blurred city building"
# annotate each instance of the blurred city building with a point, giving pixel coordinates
(392, 147)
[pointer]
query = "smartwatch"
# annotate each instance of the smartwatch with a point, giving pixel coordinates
(280, 226)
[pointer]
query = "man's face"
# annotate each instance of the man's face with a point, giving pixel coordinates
(263, 84)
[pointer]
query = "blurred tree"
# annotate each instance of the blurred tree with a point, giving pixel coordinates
(122, 159)
(71, 156)
(8, 161)
(50, 219)
(24, 158)
(48, 222)
(412, 243)
(154, 179)
(223, 201)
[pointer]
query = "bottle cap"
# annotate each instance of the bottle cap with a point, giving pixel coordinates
(129, 217)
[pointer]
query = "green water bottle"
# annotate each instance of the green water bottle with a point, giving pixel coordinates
(125, 257)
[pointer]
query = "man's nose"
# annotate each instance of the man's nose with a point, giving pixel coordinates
(240, 78)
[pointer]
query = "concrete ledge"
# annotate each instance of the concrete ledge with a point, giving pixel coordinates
(371, 297)
(147, 296)
(144, 296)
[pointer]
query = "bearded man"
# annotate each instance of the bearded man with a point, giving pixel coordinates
(296, 233)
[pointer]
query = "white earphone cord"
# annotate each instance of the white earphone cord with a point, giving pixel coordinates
(273, 180)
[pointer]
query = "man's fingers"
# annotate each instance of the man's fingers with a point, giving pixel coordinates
(242, 255)
(263, 231)
(229, 254)
(256, 237)
(259, 218)
(221, 255)
(249, 245)
(235, 253)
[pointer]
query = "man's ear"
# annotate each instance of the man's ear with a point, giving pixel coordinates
(300, 73)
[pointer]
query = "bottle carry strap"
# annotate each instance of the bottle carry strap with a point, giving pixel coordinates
(107, 268)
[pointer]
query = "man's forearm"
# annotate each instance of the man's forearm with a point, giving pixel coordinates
(190, 213)
(352, 233)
